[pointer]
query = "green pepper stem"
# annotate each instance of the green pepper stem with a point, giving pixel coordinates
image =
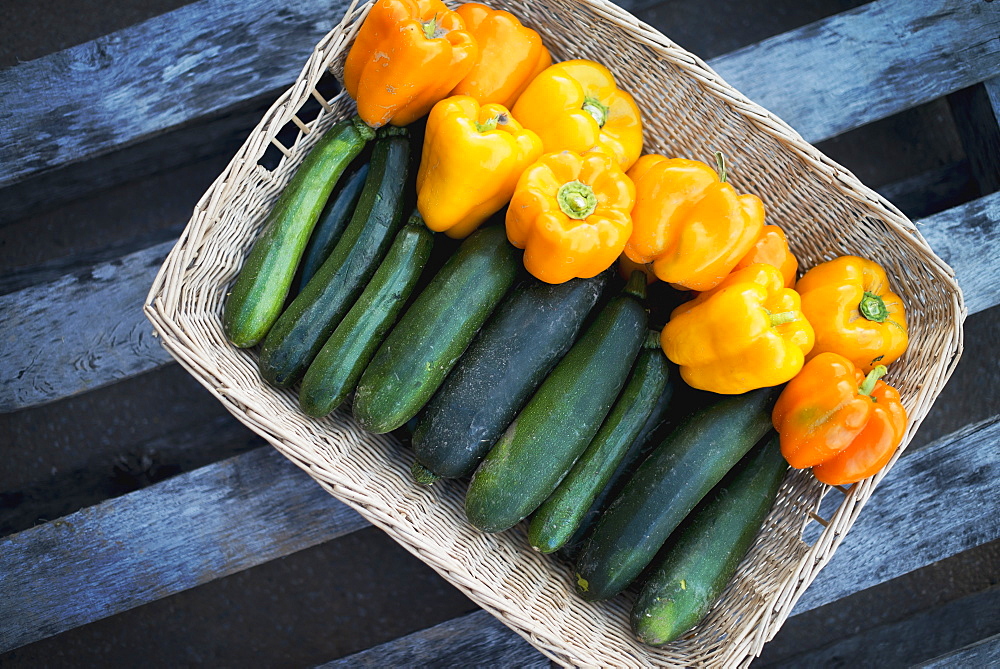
(873, 307)
(596, 109)
(432, 30)
(636, 285)
(720, 163)
(576, 199)
(869, 383)
(783, 317)
(491, 123)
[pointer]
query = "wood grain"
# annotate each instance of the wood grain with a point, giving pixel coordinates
(213, 55)
(985, 653)
(475, 640)
(155, 542)
(867, 63)
(254, 507)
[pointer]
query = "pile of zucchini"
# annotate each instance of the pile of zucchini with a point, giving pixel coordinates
(556, 399)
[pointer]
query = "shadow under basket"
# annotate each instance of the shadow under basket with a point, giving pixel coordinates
(688, 112)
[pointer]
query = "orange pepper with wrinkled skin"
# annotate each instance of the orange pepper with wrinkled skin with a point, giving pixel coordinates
(833, 418)
(408, 55)
(746, 333)
(689, 223)
(510, 56)
(771, 248)
(577, 106)
(570, 214)
(472, 158)
(849, 302)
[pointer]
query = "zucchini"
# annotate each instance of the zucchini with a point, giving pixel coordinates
(427, 341)
(555, 426)
(313, 315)
(701, 557)
(508, 359)
(558, 517)
(333, 374)
(692, 459)
(258, 295)
(331, 224)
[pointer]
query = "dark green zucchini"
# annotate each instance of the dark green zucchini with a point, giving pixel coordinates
(335, 372)
(310, 319)
(555, 426)
(436, 329)
(256, 299)
(700, 558)
(666, 487)
(558, 517)
(531, 330)
(336, 214)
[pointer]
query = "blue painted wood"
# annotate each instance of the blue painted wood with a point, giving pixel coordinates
(155, 542)
(985, 653)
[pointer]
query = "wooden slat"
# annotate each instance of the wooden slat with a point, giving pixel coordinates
(155, 542)
(80, 332)
(212, 55)
(475, 640)
(868, 63)
(255, 507)
(89, 330)
(985, 653)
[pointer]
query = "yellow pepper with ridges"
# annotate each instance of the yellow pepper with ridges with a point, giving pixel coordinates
(472, 158)
(748, 332)
(570, 214)
(689, 223)
(576, 106)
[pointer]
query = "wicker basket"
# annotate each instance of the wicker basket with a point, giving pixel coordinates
(825, 211)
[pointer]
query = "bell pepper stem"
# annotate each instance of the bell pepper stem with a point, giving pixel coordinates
(873, 307)
(720, 163)
(597, 109)
(869, 383)
(491, 123)
(636, 285)
(576, 200)
(432, 30)
(782, 318)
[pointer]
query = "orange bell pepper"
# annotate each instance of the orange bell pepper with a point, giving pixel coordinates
(746, 333)
(408, 55)
(849, 302)
(689, 223)
(577, 106)
(771, 248)
(471, 161)
(510, 56)
(570, 213)
(833, 418)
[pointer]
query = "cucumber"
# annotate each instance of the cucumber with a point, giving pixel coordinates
(258, 295)
(641, 446)
(311, 318)
(333, 374)
(531, 330)
(561, 418)
(666, 487)
(436, 329)
(336, 214)
(558, 517)
(701, 557)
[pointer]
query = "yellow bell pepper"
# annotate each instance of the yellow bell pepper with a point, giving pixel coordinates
(576, 106)
(408, 55)
(746, 333)
(472, 158)
(510, 55)
(689, 223)
(849, 302)
(570, 214)
(771, 248)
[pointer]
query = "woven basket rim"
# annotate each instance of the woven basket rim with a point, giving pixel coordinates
(163, 304)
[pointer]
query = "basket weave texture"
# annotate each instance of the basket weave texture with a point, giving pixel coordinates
(688, 112)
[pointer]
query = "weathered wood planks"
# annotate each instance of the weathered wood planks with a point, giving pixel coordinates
(985, 653)
(213, 55)
(255, 507)
(175, 535)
